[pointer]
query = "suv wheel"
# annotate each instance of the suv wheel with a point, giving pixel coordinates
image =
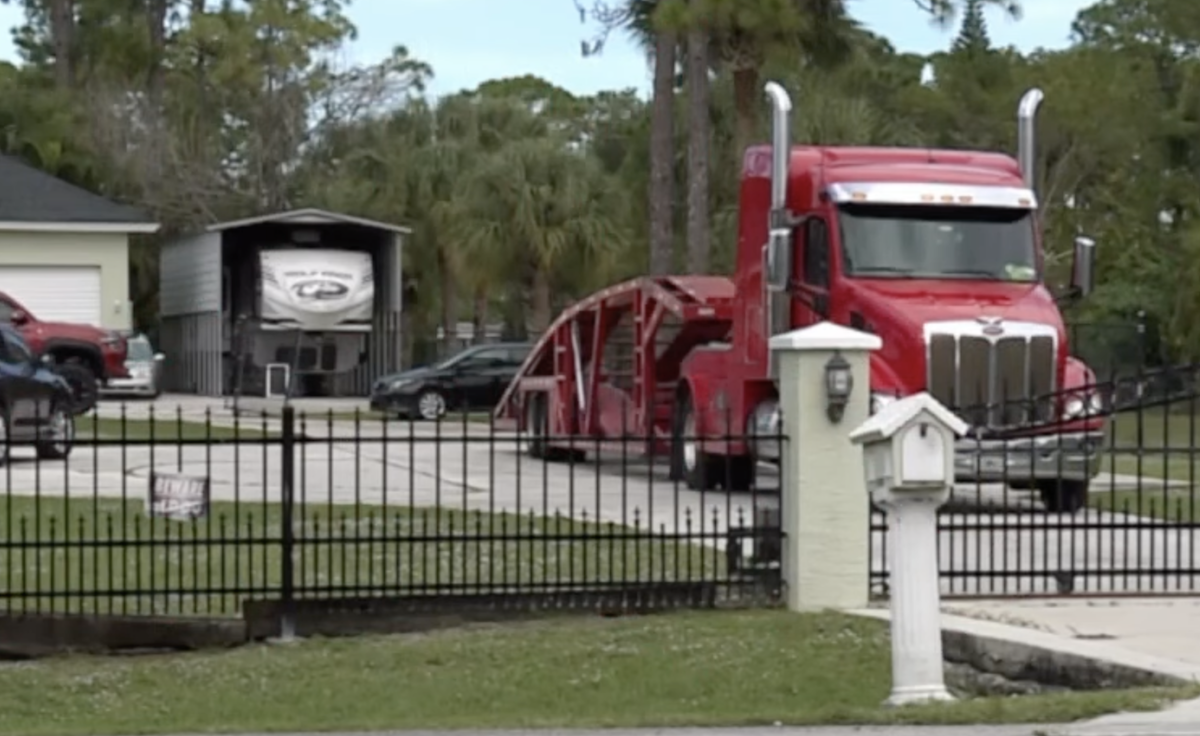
(4, 438)
(82, 380)
(62, 424)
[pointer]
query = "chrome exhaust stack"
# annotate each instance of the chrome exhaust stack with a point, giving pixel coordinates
(1027, 111)
(781, 145)
(777, 253)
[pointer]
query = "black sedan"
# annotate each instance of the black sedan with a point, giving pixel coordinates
(35, 401)
(473, 379)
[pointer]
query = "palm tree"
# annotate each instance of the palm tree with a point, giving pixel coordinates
(533, 209)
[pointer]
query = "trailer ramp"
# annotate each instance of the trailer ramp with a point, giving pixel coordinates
(609, 366)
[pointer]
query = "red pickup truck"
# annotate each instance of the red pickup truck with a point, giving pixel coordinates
(84, 355)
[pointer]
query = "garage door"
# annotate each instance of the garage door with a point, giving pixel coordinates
(55, 293)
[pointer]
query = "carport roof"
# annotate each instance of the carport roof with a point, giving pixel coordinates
(307, 216)
(32, 199)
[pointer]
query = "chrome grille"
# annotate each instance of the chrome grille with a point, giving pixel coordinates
(993, 381)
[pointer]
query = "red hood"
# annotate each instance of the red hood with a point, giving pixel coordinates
(71, 330)
(899, 308)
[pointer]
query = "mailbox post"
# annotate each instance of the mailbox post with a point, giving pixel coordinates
(908, 459)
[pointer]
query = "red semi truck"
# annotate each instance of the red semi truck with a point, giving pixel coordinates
(936, 251)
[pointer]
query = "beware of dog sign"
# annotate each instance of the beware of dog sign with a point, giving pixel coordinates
(176, 496)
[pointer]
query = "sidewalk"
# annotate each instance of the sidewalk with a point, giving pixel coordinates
(1156, 634)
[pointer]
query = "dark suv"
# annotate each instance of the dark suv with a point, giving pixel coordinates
(35, 401)
(473, 379)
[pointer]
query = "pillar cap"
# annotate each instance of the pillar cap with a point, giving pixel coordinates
(826, 336)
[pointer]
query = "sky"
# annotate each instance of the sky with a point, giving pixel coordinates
(466, 44)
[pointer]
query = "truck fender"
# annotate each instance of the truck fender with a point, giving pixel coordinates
(1077, 374)
(61, 344)
(884, 378)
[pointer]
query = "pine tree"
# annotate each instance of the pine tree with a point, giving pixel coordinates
(973, 35)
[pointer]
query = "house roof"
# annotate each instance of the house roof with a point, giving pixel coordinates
(31, 196)
(308, 216)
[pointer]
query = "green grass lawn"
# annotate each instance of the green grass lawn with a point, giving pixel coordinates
(370, 415)
(690, 669)
(1157, 442)
(105, 555)
(89, 428)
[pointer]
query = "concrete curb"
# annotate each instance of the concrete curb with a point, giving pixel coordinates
(1004, 646)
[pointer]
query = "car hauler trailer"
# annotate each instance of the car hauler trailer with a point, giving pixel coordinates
(936, 251)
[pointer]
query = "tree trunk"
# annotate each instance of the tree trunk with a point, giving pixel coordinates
(62, 38)
(156, 75)
(479, 317)
(699, 142)
(448, 343)
(541, 316)
(662, 155)
(746, 102)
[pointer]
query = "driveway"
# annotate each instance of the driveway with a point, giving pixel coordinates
(988, 530)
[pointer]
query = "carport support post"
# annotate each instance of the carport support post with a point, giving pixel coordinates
(824, 514)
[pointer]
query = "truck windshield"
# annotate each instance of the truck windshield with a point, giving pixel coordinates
(907, 241)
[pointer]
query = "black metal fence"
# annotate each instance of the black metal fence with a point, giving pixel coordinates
(198, 513)
(1125, 526)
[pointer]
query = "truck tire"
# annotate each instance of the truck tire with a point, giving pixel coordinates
(741, 473)
(536, 426)
(702, 471)
(1063, 496)
(82, 380)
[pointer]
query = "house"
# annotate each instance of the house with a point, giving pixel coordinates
(64, 251)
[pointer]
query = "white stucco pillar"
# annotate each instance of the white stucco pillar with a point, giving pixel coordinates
(824, 510)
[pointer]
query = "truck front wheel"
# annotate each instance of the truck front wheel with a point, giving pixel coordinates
(1063, 496)
(704, 471)
(82, 380)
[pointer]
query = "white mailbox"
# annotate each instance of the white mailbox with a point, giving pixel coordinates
(909, 444)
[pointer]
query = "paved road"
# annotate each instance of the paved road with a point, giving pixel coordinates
(975, 730)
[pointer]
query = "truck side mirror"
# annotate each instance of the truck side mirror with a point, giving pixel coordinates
(778, 266)
(1083, 279)
(19, 317)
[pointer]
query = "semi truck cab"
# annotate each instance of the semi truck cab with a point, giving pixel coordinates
(938, 252)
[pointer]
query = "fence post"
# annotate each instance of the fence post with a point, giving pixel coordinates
(824, 392)
(287, 476)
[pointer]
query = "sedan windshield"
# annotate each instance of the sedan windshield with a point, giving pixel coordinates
(906, 241)
(139, 349)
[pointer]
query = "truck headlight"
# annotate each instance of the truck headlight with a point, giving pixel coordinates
(1080, 406)
(880, 400)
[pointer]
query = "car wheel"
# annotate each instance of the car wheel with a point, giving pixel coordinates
(62, 424)
(431, 405)
(84, 388)
(4, 436)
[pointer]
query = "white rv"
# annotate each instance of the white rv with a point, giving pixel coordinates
(302, 312)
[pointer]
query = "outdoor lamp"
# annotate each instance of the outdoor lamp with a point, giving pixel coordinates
(838, 385)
